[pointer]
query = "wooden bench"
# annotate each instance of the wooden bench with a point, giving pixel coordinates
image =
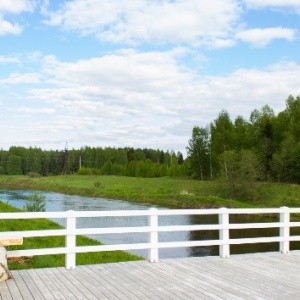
(4, 242)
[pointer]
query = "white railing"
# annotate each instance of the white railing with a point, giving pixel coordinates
(152, 229)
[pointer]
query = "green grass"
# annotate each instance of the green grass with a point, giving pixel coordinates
(45, 261)
(168, 192)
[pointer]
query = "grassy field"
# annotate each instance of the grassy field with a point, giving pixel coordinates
(168, 192)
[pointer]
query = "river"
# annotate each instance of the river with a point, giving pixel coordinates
(62, 202)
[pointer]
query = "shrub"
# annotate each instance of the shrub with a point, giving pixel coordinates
(35, 202)
(85, 171)
(34, 175)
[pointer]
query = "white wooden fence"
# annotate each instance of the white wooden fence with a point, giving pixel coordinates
(152, 229)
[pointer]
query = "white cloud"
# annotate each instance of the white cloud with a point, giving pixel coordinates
(221, 43)
(9, 28)
(13, 7)
(165, 21)
(16, 6)
(8, 60)
(261, 37)
(257, 87)
(31, 110)
(17, 78)
(147, 99)
(272, 3)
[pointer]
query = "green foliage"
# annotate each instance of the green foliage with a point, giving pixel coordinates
(271, 139)
(88, 161)
(34, 175)
(35, 202)
(2, 171)
(14, 165)
(199, 152)
(242, 171)
(85, 171)
(294, 167)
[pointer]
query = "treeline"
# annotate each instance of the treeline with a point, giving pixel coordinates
(92, 160)
(267, 147)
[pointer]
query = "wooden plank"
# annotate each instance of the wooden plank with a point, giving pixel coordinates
(4, 291)
(22, 285)
(164, 281)
(137, 284)
(271, 268)
(78, 278)
(109, 285)
(258, 276)
(187, 281)
(253, 280)
(240, 279)
(47, 280)
(4, 242)
(34, 290)
(14, 290)
(221, 280)
(68, 287)
(110, 279)
(146, 284)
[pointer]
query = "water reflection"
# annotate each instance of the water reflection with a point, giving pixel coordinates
(61, 202)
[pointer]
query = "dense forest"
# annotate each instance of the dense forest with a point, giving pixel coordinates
(92, 161)
(265, 147)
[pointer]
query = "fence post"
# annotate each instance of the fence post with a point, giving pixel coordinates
(70, 259)
(224, 233)
(153, 235)
(285, 230)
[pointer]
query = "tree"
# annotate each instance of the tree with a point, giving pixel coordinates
(161, 157)
(293, 113)
(33, 160)
(107, 168)
(281, 162)
(198, 151)
(229, 161)
(180, 159)
(14, 165)
(3, 159)
(242, 173)
(222, 137)
(294, 167)
(262, 130)
(242, 134)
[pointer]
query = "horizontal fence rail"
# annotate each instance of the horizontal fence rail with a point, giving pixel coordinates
(152, 229)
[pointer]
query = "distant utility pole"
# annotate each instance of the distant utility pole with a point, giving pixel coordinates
(66, 161)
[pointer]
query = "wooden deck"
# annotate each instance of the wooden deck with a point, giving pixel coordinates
(252, 276)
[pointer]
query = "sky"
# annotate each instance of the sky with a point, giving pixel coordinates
(140, 73)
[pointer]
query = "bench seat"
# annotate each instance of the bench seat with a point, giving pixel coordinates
(4, 242)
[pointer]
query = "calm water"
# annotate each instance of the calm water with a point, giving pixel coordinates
(61, 202)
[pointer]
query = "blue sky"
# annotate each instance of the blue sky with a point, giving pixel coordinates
(140, 73)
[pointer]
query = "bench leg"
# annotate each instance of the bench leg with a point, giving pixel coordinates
(4, 272)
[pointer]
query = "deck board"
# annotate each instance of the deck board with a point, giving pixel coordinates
(252, 276)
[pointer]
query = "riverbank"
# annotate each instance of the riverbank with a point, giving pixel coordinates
(167, 192)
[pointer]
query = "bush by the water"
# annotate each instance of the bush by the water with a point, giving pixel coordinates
(35, 202)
